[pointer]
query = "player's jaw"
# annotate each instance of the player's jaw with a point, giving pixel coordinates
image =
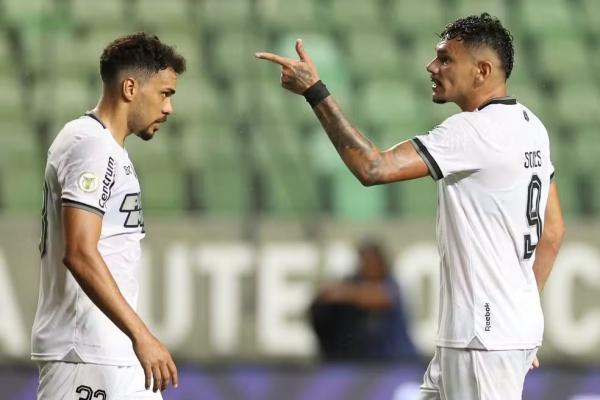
(438, 92)
(149, 131)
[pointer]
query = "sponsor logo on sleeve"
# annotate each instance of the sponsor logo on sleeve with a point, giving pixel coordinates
(488, 317)
(88, 182)
(108, 182)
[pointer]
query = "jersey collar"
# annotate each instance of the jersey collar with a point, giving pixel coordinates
(94, 116)
(498, 100)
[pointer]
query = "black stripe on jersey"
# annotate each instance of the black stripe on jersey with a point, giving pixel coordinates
(83, 206)
(552, 175)
(95, 117)
(499, 100)
(432, 165)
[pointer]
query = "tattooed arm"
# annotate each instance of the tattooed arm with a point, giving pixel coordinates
(367, 162)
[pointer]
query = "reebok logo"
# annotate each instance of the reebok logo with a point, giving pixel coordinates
(488, 317)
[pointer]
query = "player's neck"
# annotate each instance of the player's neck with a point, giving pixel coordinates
(114, 118)
(477, 99)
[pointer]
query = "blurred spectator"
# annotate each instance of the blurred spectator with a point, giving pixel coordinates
(362, 317)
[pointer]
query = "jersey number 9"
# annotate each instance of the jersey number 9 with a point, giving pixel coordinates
(534, 195)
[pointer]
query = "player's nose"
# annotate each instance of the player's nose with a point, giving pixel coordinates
(168, 107)
(431, 67)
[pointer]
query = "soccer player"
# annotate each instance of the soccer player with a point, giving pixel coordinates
(499, 222)
(87, 338)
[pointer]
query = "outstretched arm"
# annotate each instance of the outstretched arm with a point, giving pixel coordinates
(366, 161)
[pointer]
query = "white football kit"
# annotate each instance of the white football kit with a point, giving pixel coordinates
(86, 168)
(493, 170)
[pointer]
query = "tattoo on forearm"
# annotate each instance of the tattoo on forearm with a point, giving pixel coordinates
(357, 151)
(341, 132)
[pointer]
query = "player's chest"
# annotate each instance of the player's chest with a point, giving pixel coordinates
(125, 202)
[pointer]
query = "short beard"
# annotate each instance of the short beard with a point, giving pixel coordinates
(144, 135)
(440, 101)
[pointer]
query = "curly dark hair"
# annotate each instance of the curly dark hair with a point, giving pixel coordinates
(487, 31)
(140, 51)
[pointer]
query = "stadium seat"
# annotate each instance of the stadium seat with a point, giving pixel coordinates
(197, 101)
(353, 201)
(552, 19)
(219, 14)
(354, 15)
(172, 14)
(474, 7)
(374, 54)
(281, 15)
(11, 93)
(422, 19)
(418, 198)
(243, 104)
(525, 67)
(94, 38)
(22, 13)
(105, 12)
(233, 52)
(187, 42)
(531, 97)
(578, 104)
(7, 62)
(21, 168)
(565, 58)
(589, 15)
(388, 105)
(420, 53)
(281, 156)
(73, 98)
(67, 61)
(292, 191)
(224, 185)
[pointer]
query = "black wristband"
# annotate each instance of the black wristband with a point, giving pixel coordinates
(315, 94)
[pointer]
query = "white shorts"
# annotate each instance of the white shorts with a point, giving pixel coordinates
(81, 381)
(469, 374)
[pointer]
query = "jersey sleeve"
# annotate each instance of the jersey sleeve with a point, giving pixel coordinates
(87, 175)
(452, 147)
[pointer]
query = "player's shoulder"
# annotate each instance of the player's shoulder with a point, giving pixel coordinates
(462, 122)
(530, 115)
(86, 127)
(81, 137)
(85, 131)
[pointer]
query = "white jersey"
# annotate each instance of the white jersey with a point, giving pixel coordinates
(493, 169)
(88, 169)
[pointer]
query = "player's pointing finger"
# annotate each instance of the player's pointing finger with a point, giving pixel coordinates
(274, 58)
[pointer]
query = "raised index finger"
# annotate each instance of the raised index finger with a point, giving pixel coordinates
(284, 62)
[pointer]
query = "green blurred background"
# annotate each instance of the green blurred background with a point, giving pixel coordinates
(238, 145)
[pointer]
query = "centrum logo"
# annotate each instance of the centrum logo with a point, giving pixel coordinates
(108, 182)
(488, 317)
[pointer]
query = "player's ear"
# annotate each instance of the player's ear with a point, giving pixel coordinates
(129, 87)
(484, 71)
